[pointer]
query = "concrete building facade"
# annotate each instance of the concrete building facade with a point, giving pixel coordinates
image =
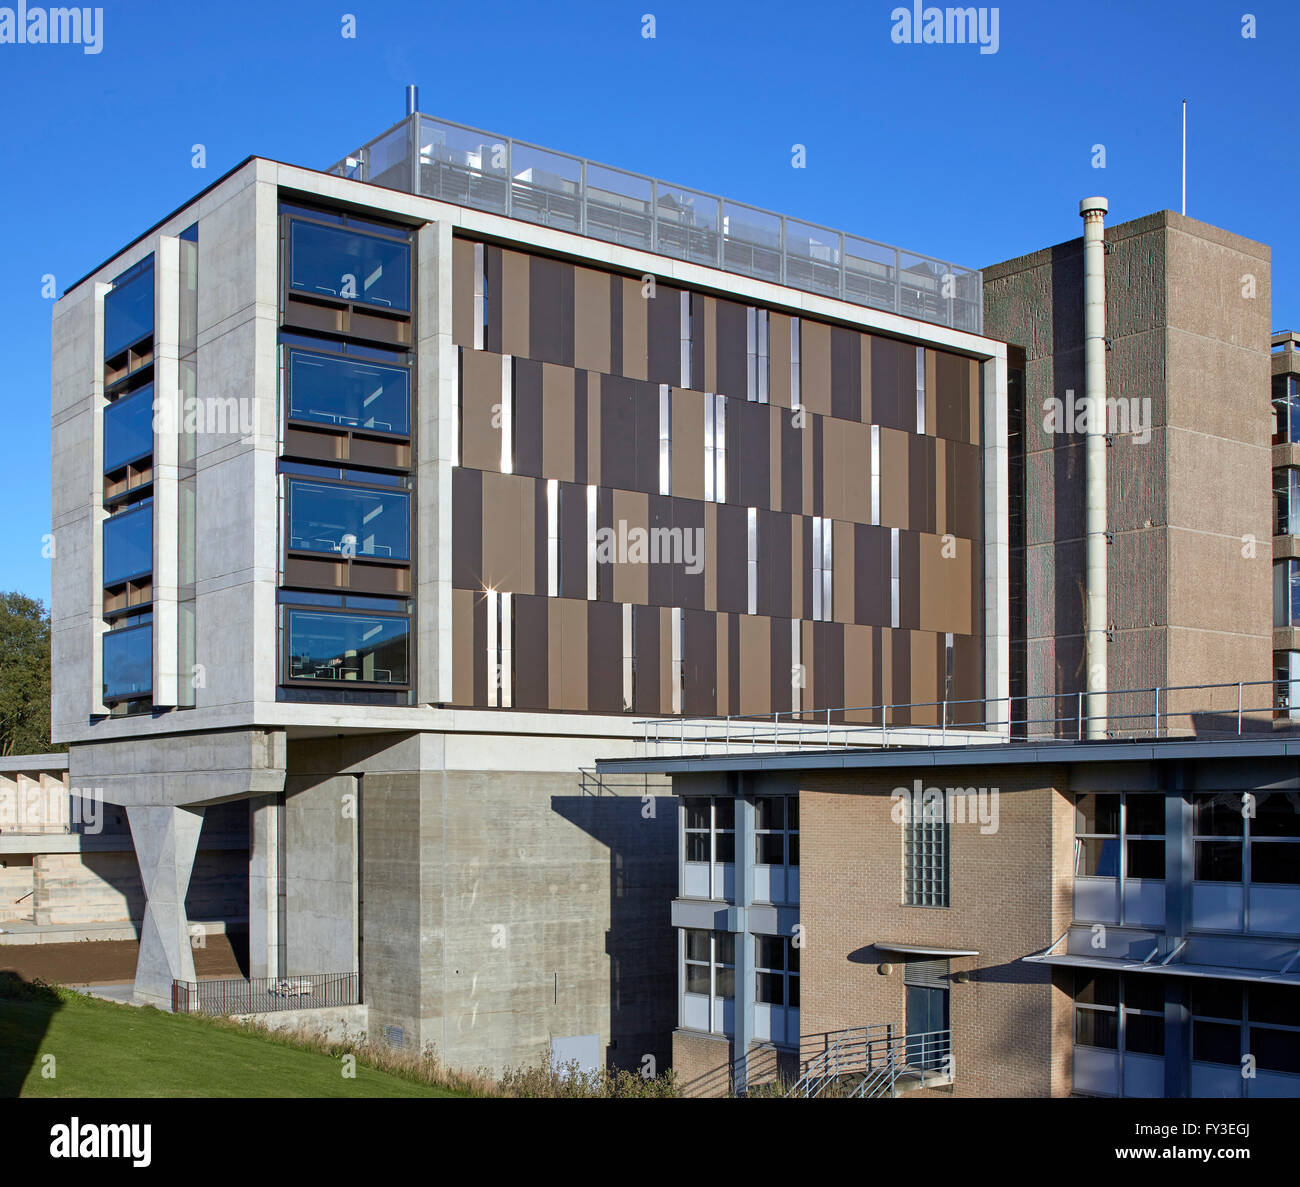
(389, 498)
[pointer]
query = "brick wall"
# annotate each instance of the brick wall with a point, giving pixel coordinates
(1009, 898)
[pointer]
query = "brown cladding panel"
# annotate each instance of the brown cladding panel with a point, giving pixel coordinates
(858, 671)
(462, 644)
(900, 644)
(574, 653)
(646, 643)
(815, 367)
(952, 397)
(558, 423)
(688, 444)
(927, 685)
(530, 687)
(541, 544)
(778, 350)
(968, 677)
(842, 572)
(893, 376)
(550, 310)
(645, 409)
(894, 489)
(792, 477)
(604, 657)
(753, 460)
(526, 423)
(909, 581)
(664, 341)
(660, 571)
(857, 472)
(503, 543)
(573, 540)
(467, 529)
(755, 664)
(732, 369)
(775, 564)
(591, 317)
(492, 330)
(480, 418)
(631, 521)
(689, 586)
(462, 292)
(829, 659)
(515, 267)
(480, 649)
(732, 555)
(921, 484)
(846, 373)
(618, 432)
(831, 437)
(635, 330)
(780, 696)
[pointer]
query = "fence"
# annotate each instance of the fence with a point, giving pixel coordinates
(1253, 708)
(497, 174)
(266, 995)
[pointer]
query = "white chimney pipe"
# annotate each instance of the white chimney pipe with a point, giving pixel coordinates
(412, 99)
(1094, 211)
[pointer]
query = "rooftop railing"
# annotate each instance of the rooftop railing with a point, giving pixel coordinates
(500, 175)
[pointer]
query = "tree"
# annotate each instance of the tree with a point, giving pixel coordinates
(24, 676)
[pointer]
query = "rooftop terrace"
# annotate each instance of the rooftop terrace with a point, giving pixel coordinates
(483, 171)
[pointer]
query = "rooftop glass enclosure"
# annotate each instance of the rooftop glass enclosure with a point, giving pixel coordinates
(473, 168)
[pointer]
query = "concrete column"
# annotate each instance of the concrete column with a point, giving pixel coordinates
(165, 839)
(264, 881)
(168, 420)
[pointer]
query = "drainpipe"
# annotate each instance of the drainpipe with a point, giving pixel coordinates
(1093, 211)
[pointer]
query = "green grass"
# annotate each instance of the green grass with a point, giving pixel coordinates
(102, 1049)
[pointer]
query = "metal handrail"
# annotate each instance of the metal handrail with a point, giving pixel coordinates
(994, 721)
(886, 280)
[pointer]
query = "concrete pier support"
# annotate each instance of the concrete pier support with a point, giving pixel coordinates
(166, 839)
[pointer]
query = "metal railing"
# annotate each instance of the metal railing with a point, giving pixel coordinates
(266, 995)
(910, 1061)
(497, 174)
(855, 1051)
(1255, 708)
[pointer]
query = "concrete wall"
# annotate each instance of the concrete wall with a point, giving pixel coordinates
(1184, 604)
(1010, 897)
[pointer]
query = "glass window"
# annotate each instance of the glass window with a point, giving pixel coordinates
(1097, 815)
(1216, 999)
(1218, 861)
(1144, 1033)
(1146, 859)
(1286, 501)
(1275, 1050)
(1286, 593)
(333, 389)
(1096, 857)
(925, 850)
(128, 545)
(351, 520)
(128, 662)
(1097, 989)
(1144, 816)
(348, 647)
(1276, 862)
(1216, 1042)
(344, 263)
(128, 428)
(697, 944)
(1219, 815)
(1096, 1028)
(128, 310)
(1277, 814)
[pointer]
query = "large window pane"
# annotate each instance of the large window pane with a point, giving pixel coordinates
(769, 811)
(335, 390)
(1216, 999)
(1277, 814)
(769, 989)
(128, 545)
(1098, 858)
(697, 944)
(1219, 815)
(771, 849)
(347, 647)
(128, 428)
(697, 811)
(697, 846)
(1144, 1034)
(1274, 1003)
(1146, 859)
(128, 311)
(1096, 1028)
(128, 662)
(1097, 814)
(1216, 1042)
(341, 263)
(349, 519)
(697, 978)
(769, 952)
(724, 848)
(1144, 815)
(1097, 989)
(1218, 861)
(1275, 1050)
(1277, 862)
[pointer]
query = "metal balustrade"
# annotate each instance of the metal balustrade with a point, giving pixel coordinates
(497, 174)
(1251, 708)
(266, 995)
(873, 1061)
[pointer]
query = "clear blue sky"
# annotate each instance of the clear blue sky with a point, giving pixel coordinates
(971, 157)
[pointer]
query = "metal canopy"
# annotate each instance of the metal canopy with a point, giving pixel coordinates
(1216, 971)
(923, 950)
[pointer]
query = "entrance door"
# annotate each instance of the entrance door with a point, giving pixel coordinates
(927, 1012)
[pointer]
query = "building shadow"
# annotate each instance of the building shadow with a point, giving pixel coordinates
(26, 1010)
(640, 942)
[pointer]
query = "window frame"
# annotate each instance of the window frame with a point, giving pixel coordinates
(291, 214)
(286, 607)
(342, 352)
(920, 886)
(288, 480)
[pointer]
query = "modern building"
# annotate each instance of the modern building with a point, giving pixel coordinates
(388, 498)
(1063, 918)
(1286, 529)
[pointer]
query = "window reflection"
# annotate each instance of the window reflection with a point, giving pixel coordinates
(342, 263)
(331, 389)
(354, 521)
(348, 647)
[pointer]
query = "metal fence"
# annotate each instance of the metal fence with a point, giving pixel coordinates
(497, 174)
(1252, 708)
(266, 995)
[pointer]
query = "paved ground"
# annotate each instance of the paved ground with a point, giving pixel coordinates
(112, 962)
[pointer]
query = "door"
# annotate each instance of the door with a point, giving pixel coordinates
(927, 1012)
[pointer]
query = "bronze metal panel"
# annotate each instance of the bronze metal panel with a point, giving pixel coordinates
(660, 571)
(557, 428)
(526, 425)
(530, 685)
(664, 335)
(688, 444)
(665, 660)
(792, 470)
(864, 358)
(573, 540)
(492, 331)
(732, 350)
(732, 554)
(480, 410)
(832, 456)
(968, 677)
(975, 416)
(807, 659)
(858, 671)
(480, 664)
(751, 464)
(775, 419)
(502, 542)
(636, 330)
(462, 647)
(775, 564)
(689, 588)
(931, 386)
(893, 383)
(755, 664)
(462, 292)
(815, 366)
(615, 325)
(550, 310)
(846, 373)
(699, 663)
(618, 432)
(590, 319)
(940, 485)
(857, 471)
(645, 657)
(708, 314)
(604, 657)
(632, 577)
(798, 567)
(779, 695)
(711, 558)
(555, 654)
(593, 429)
(921, 484)
(807, 476)
(951, 396)
(871, 575)
(909, 580)
(645, 435)
(467, 528)
(842, 572)
(894, 488)
(927, 682)
(576, 651)
(778, 350)
(818, 436)
(723, 667)
(514, 303)
(901, 671)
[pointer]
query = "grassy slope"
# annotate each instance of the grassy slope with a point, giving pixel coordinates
(107, 1050)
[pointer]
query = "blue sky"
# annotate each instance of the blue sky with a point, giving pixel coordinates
(967, 156)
